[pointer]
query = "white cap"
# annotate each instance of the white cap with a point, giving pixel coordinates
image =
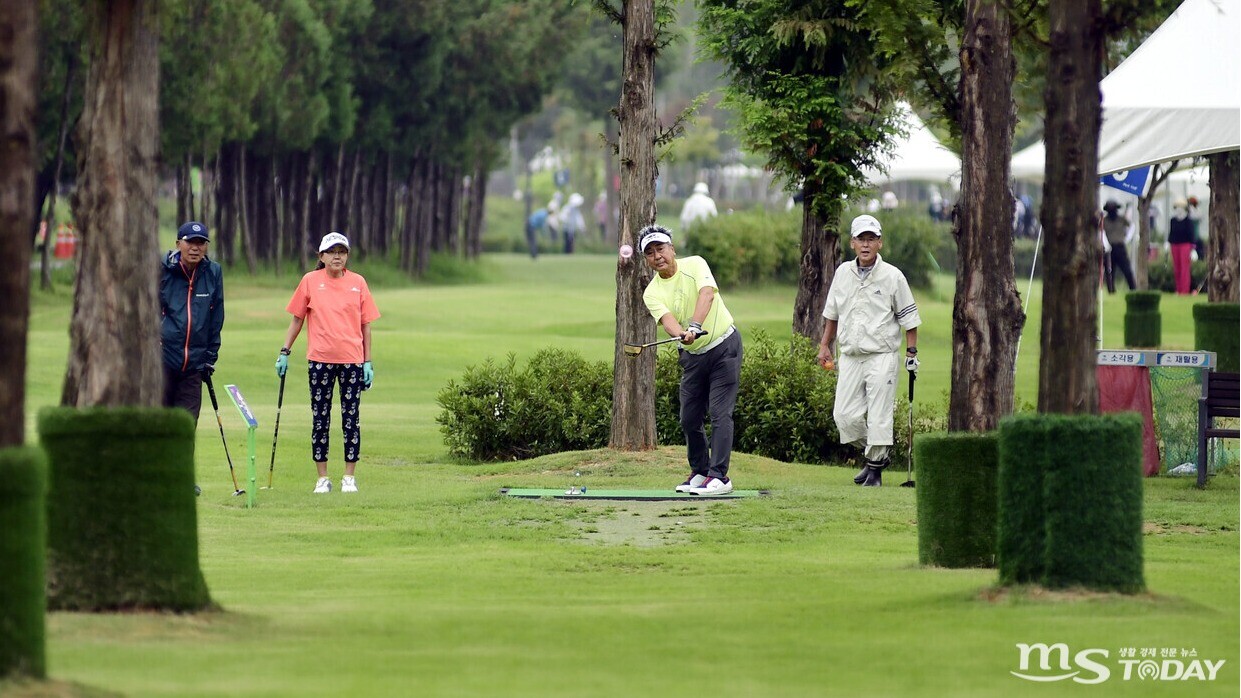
(652, 234)
(701, 188)
(865, 224)
(331, 240)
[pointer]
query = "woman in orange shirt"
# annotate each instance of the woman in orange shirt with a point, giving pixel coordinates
(336, 306)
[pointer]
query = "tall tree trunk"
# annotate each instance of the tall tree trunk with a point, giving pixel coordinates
(424, 224)
(820, 255)
(1066, 379)
(114, 355)
(633, 387)
(245, 226)
(206, 189)
(609, 173)
(45, 266)
(1223, 261)
(19, 64)
(987, 316)
(452, 208)
(474, 219)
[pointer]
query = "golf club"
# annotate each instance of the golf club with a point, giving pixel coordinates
(635, 349)
(909, 481)
(271, 469)
(215, 405)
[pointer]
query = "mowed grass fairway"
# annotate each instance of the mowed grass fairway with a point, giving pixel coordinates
(430, 583)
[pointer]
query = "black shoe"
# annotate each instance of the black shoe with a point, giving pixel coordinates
(874, 472)
(861, 475)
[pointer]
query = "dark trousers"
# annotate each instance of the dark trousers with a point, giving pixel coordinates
(183, 389)
(1120, 262)
(323, 379)
(709, 384)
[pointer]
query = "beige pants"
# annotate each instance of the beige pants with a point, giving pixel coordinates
(866, 401)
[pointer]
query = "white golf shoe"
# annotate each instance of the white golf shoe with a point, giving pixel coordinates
(713, 487)
(348, 484)
(323, 486)
(692, 482)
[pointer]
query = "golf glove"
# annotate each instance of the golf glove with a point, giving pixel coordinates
(368, 375)
(282, 365)
(205, 371)
(911, 364)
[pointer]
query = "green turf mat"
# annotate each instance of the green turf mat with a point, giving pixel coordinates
(648, 495)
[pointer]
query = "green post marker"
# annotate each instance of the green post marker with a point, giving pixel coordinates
(252, 424)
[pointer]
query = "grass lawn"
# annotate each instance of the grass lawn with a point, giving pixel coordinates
(429, 583)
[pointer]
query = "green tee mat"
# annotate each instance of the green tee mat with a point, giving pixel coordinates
(645, 495)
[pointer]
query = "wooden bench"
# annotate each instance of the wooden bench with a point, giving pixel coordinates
(1221, 397)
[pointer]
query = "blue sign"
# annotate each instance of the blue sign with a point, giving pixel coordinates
(242, 406)
(1135, 182)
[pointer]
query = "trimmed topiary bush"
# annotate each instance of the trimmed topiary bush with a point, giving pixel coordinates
(1216, 328)
(956, 496)
(23, 537)
(1143, 323)
(1070, 507)
(1020, 535)
(1092, 499)
(122, 520)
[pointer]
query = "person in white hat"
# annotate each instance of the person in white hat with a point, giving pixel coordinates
(684, 299)
(868, 306)
(699, 206)
(336, 306)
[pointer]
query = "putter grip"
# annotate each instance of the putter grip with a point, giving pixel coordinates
(912, 378)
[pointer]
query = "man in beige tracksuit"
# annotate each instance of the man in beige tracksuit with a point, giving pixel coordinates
(867, 306)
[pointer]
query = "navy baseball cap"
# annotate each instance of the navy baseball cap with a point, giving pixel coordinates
(192, 231)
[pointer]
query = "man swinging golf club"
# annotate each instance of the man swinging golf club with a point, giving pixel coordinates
(867, 306)
(684, 299)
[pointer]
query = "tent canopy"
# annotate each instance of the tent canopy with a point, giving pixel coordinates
(920, 156)
(1179, 94)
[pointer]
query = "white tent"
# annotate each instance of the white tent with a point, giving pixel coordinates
(920, 156)
(1029, 163)
(1179, 94)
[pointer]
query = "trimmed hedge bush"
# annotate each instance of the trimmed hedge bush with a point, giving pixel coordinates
(1143, 323)
(956, 497)
(1020, 535)
(558, 402)
(23, 537)
(122, 518)
(1216, 328)
(1085, 473)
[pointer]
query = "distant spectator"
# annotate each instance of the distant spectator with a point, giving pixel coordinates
(1027, 216)
(1118, 232)
(1181, 239)
(601, 214)
(889, 201)
(699, 206)
(553, 216)
(1199, 238)
(936, 208)
(536, 222)
(572, 222)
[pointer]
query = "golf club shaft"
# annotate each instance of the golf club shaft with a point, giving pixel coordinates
(271, 469)
(215, 406)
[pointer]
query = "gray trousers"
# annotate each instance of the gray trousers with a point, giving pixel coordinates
(709, 384)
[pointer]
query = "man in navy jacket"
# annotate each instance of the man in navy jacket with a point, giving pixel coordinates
(191, 300)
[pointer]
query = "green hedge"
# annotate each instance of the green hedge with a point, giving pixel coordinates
(956, 495)
(122, 523)
(1216, 328)
(23, 537)
(1070, 506)
(560, 402)
(1143, 322)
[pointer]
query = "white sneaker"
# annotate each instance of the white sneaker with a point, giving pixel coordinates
(713, 487)
(348, 484)
(323, 486)
(692, 482)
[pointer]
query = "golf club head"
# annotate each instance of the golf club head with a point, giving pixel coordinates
(907, 483)
(238, 493)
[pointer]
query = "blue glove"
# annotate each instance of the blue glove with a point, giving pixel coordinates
(282, 365)
(368, 375)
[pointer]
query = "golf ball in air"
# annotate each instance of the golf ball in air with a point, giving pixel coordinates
(626, 251)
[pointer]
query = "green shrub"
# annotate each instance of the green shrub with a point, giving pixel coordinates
(1216, 328)
(1070, 506)
(956, 496)
(23, 538)
(1143, 323)
(747, 248)
(558, 402)
(122, 518)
